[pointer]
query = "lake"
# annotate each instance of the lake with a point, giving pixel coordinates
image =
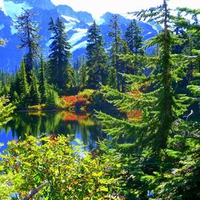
(83, 127)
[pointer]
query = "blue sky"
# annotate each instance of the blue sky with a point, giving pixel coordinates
(99, 7)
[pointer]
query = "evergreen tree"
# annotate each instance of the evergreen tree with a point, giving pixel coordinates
(35, 96)
(96, 58)
(72, 79)
(168, 105)
(28, 32)
(52, 99)
(24, 91)
(5, 81)
(188, 22)
(134, 41)
(133, 38)
(42, 81)
(154, 140)
(19, 89)
(59, 54)
(14, 90)
(77, 63)
(112, 80)
(82, 74)
(116, 46)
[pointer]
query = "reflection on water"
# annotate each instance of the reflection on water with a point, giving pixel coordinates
(83, 127)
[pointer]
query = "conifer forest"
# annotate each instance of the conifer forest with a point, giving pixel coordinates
(147, 102)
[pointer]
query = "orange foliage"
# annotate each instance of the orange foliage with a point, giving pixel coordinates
(69, 101)
(135, 93)
(73, 101)
(68, 116)
(135, 114)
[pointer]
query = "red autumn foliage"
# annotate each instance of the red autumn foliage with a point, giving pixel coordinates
(73, 101)
(69, 100)
(134, 114)
(135, 93)
(68, 116)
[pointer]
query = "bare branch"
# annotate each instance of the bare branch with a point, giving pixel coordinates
(35, 191)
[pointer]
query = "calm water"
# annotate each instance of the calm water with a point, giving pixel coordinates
(83, 127)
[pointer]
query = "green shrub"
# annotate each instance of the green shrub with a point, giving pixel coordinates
(36, 107)
(67, 171)
(87, 93)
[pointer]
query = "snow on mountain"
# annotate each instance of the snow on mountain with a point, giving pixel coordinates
(100, 21)
(15, 9)
(1, 26)
(80, 45)
(76, 23)
(70, 22)
(80, 33)
(70, 19)
(78, 39)
(82, 16)
(2, 6)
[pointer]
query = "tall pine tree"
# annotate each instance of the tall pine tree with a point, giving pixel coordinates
(35, 96)
(42, 80)
(133, 38)
(150, 138)
(115, 50)
(82, 74)
(28, 32)
(96, 58)
(59, 54)
(20, 91)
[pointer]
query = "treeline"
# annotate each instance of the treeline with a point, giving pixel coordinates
(42, 79)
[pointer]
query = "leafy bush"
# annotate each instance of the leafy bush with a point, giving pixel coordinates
(6, 109)
(36, 107)
(74, 102)
(87, 93)
(62, 171)
(52, 99)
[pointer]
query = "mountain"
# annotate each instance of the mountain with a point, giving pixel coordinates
(77, 24)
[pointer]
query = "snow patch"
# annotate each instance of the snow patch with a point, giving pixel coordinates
(77, 36)
(155, 26)
(13, 30)
(147, 33)
(69, 26)
(13, 10)
(71, 22)
(100, 21)
(48, 43)
(78, 46)
(70, 19)
(1, 26)
(2, 6)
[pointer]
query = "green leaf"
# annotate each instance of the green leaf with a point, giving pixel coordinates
(103, 189)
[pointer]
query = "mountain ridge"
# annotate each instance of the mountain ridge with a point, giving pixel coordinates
(76, 22)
